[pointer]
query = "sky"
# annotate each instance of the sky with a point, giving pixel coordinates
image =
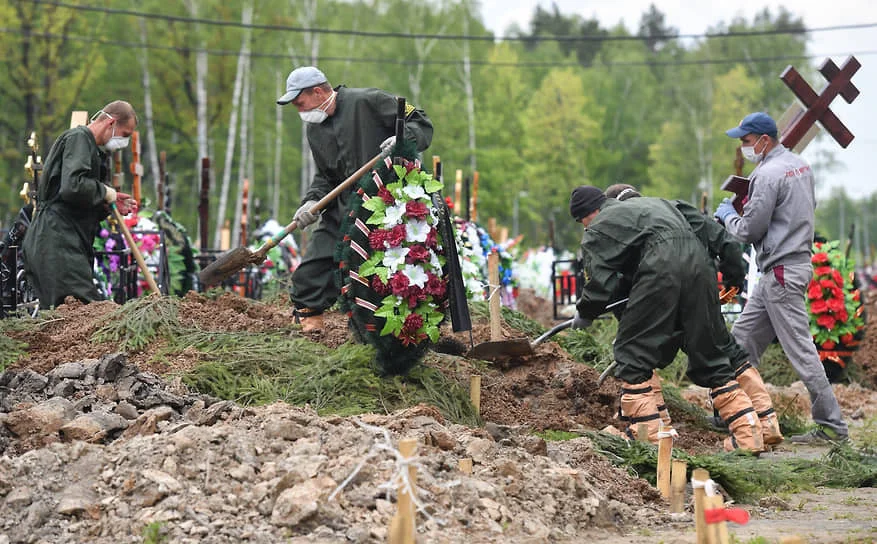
(856, 173)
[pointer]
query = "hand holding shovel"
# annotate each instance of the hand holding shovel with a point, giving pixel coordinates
(231, 261)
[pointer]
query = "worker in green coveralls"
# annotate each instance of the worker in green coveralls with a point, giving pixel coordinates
(647, 244)
(71, 202)
(346, 127)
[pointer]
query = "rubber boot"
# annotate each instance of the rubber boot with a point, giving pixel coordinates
(737, 411)
(751, 382)
(638, 406)
(310, 320)
(659, 401)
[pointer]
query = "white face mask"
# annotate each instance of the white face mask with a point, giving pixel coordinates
(318, 114)
(116, 142)
(749, 153)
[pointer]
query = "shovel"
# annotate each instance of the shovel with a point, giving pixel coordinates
(521, 347)
(231, 261)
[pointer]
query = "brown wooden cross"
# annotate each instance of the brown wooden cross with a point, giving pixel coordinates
(817, 106)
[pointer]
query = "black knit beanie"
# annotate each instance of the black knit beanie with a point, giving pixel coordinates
(584, 200)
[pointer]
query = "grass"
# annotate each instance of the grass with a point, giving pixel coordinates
(746, 477)
(556, 436)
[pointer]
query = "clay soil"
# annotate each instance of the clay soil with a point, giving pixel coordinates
(545, 391)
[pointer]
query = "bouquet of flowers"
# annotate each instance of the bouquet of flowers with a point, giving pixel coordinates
(391, 263)
(835, 305)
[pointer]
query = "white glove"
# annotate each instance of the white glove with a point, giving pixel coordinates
(110, 196)
(388, 144)
(303, 215)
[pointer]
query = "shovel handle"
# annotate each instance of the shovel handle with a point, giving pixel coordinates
(260, 253)
(134, 249)
(552, 331)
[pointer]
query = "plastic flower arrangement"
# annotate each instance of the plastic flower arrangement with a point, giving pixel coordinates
(405, 265)
(834, 301)
(476, 244)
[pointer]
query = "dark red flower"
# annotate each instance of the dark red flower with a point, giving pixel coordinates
(827, 283)
(432, 239)
(434, 285)
(413, 323)
(396, 236)
(379, 287)
(399, 284)
(814, 291)
(409, 166)
(846, 338)
(819, 306)
(828, 344)
(838, 278)
(842, 316)
(416, 210)
(826, 321)
(415, 295)
(386, 196)
(820, 258)
(377, 238)
(417, 254)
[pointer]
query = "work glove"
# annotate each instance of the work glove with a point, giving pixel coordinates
(580, 322)
(388, 144)
(725, 210)
(304, 217)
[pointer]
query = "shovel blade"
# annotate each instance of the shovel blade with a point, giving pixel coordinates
(225, 265)
(500, 349)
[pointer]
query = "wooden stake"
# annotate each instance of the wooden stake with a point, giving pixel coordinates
(465, 465)
(665, 454)
(503, 235)
(475, 392)
(717, 533)
(402, 529)
(794, 539)
(473, 206)
(159, 187)
(225, 236)
(78, 118)
(458, 192)
(677, 485)
(117, 170)
(136, 166)
(698, 479)
(491, 227)
(494, 304)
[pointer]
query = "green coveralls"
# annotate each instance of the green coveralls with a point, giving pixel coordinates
(58, 252)
(341, 144)
(647, 243)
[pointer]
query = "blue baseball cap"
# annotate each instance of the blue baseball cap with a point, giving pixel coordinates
(299, 80)
(754, 123)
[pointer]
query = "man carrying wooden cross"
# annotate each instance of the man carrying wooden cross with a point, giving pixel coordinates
(778, 219)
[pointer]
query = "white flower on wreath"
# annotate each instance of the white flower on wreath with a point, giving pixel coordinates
(394, 257)
(415, 274)
(416, 231)
(434, 261)
(393, 215)
(414, 192)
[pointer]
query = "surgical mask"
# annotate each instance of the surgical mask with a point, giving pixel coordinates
(318, 114)
(116, 143)
(749, 153)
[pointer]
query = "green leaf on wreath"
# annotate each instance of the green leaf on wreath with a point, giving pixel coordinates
(375, 204)
(432, 185)
(400, 171)
(376, 218)
(370, 266)
(392, 326)
(386, 311)
(384, 273)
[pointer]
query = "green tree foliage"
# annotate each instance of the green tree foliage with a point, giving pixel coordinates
(632, 105)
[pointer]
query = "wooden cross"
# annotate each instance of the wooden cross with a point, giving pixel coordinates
(817, 106)
(136, 166)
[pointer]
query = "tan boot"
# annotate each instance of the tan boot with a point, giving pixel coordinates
(751, 382)
(310, 320)
(638, 406)
(737, 411)
(659, 401)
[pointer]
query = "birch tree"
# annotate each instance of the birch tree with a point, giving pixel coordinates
(151, 148)
(244, 153)
(231, 137)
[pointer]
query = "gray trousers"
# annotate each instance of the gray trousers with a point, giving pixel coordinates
(777, 309)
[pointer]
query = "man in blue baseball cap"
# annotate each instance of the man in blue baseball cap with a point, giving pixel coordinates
(345, 128)
(778, 219)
